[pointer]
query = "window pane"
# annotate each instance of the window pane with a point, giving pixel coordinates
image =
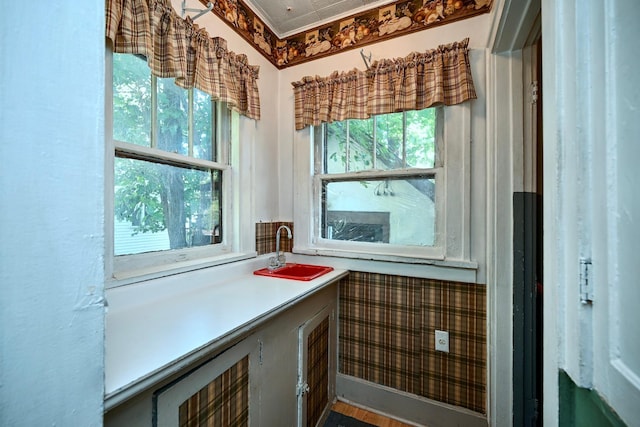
(131, 100)
(394, 211)
(421, 138)
(335, 149)
(173, 109)
(202, 126)
(360, 145)
(389, 133)
(359, 148)
(160, 207)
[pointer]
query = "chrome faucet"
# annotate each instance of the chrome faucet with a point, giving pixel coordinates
(278, 260)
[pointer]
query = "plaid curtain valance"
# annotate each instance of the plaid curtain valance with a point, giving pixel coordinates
(418, 81)
(178, 48)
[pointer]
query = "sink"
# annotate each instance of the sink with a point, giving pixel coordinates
(295, 271)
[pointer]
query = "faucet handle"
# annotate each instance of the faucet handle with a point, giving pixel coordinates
(273, 263)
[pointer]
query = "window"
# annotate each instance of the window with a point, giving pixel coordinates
(395, 187)
(171, 170)
(378, 180)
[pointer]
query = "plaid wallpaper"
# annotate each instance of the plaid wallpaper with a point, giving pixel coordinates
(317, 372)
(380, 330)
(266, 237)
(224, 402)
(387, 326)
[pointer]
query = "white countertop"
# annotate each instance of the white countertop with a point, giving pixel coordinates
(156, 328)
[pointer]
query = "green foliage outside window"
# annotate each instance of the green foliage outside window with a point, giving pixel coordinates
(399, 140)
(151, 195)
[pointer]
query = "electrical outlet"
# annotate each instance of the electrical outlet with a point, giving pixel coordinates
(442, 341)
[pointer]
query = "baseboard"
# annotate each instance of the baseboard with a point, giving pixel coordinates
(405, 407)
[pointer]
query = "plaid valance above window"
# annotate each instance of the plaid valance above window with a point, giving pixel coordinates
(178, 48)
(418, 81)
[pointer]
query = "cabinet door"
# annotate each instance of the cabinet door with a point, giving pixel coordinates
(214, 394)
(316, 366)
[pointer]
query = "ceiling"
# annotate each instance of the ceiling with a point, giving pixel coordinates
(288, 17)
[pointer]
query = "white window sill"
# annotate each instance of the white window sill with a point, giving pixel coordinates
(399, 265)
(156, 272)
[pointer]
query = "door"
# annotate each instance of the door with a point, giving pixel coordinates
(215, 393)
(316, 367)
(616, 269)
(592, 209)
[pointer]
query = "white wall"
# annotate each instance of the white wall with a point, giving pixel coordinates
(274, 134)
(262, 134)
(52, 214)
(476, 28)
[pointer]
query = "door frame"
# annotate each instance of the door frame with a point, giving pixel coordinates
(511, 30)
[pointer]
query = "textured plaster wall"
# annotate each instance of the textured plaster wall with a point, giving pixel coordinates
(52, 214)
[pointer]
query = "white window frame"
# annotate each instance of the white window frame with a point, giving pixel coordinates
(125, 269)
(453, 175)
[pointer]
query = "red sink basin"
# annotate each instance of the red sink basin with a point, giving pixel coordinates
(295, 271)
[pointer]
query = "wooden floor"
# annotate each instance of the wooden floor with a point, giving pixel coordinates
(366, 416)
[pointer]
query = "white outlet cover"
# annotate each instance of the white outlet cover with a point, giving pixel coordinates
(442, 341)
